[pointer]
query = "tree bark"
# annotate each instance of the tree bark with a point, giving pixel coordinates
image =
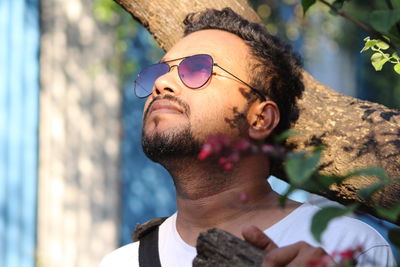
(219, 248)
(357, 133)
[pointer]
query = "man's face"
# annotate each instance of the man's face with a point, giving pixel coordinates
(180, 116)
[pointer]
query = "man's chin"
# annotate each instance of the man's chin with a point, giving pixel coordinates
(160, 146)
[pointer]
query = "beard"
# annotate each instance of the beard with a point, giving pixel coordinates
(165, 147)
(168, 147)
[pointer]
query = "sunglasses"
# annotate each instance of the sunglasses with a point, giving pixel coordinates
(194, 72)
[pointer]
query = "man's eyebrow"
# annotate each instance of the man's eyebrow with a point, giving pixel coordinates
(168, 59)
(179, 58)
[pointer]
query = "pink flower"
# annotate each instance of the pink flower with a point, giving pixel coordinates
(228, 152)
(205, 152)
(234, 157)
(243, 197)
(267, 148)
(324, 261)
(243, 145)
(346, 256)
(222, 161)
(342, 258)
(228, 166)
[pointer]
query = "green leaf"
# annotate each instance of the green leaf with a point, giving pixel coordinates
(384, 20)
(283, 198)
(327, 180)
(283, 136)
(322, 218)
(391, 213)
(382, 45)
(300, 166)
(307, 4)
(397, 68)
(338, 4)
(369, 43)
(378, 60)
(367, 192)
(394, 236)
(373, 171)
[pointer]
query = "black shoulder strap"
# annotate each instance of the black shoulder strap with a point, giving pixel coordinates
(148, 250)
(147, 233)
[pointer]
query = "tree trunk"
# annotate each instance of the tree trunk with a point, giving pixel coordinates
(358, 133)
(79, 139)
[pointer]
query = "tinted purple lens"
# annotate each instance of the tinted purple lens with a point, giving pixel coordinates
(147, 77)
(195, 71)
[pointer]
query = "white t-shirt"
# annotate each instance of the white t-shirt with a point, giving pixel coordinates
(342, 233)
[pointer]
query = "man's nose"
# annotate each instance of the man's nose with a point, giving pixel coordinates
(168, 83)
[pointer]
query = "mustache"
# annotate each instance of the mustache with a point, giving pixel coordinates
(180, 103)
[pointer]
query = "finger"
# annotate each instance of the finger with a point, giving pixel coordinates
(257, 238)
(312, 256)
(282, 256)
(298, 254)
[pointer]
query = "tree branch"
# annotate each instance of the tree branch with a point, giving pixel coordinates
(374, 33)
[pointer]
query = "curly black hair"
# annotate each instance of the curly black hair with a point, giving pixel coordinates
(277, 69)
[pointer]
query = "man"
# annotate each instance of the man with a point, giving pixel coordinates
(228, 76)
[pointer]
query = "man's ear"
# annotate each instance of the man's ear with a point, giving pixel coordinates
(263, 118)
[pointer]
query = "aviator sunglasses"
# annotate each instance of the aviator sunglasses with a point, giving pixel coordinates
(194, 72)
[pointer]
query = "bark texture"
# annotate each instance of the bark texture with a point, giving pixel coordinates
(358, 134)
(219, 248)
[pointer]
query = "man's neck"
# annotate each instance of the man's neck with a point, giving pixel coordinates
(209, 197)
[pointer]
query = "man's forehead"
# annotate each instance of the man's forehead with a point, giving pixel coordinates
(221, 45)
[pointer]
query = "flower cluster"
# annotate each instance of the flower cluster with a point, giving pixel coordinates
(228, 152)
(345, 258)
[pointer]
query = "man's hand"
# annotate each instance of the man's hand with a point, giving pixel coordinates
(295, 255)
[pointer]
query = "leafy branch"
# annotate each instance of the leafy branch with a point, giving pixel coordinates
(302, 169)
(379, 58)
(336, 8)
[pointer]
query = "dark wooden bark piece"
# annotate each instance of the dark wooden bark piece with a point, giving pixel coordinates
(219, 248)
(144, 228)
(358, 134)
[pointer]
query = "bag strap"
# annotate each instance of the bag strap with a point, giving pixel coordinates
(148, 250)
(147, 233)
